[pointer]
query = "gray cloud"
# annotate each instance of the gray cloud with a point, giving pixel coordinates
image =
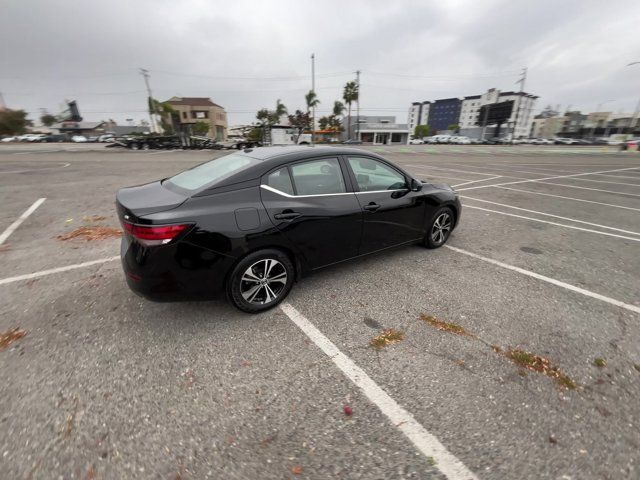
(245, 54)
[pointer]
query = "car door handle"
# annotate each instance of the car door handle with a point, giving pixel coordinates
(286, 215)
(372, 207)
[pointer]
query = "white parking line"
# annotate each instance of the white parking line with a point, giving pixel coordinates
(476, 181)
(424, 441)
(553, 281)
(453, 170)
(11, 228)
(615, 192)
(554, 223)
(569, 198)
(552, 178)
(43, 273)
(550, 215)
(62, 165)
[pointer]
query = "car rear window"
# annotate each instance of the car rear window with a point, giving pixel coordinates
(208, 174)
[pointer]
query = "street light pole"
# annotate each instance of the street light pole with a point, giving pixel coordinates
(313, 89)
(637, 110)
(358, 106)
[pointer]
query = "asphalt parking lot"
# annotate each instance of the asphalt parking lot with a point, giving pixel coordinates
(546, 260)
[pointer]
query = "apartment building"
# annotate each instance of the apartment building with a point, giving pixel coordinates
(200, 109)
(440, 114)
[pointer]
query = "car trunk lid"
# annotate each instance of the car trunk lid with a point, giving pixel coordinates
(136, 202)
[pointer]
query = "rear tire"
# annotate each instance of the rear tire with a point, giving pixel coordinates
(261, 280)
(439, 228)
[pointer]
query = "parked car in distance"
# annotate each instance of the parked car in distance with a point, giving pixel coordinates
(106, 138)
(416, 141)
(251, 223)
(9, 139)
(54, 138)
(79, 139)
(352, 141)
(633, 144)
(542, 141)
(30, 137)
(460, 140)
(566, 141)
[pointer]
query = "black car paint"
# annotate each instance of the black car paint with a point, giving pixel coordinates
(237, 217)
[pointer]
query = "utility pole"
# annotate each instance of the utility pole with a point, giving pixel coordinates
(637, 110)
(523, 79)
(313, 89)
(2, 104)
(145, 74)
(358, 106)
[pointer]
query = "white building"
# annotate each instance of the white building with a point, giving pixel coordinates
(418, 115)
(471, 125)
(523, 104)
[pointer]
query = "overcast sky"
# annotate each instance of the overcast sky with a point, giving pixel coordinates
(246, 54)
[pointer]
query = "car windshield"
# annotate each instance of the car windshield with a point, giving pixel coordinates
(210, 173)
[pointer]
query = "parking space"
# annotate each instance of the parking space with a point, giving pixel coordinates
(107, 385)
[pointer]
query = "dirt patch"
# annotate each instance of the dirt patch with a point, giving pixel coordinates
(11, 336)
(91, 234)
(387, 337)
(539, 364)
(444, 326)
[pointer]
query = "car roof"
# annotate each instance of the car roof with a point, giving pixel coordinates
(272, 157)
(277, 155)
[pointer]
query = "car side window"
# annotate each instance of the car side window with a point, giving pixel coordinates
(373, 175)
(318, 177)
(280, 180)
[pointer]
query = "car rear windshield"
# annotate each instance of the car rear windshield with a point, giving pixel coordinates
(211, 173)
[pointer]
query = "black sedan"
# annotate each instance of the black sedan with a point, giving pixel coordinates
(251, 223)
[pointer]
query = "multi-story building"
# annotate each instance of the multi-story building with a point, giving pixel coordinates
(547, 127)
(191, 110)
(418, 115)
(464, 113)
(444, 113)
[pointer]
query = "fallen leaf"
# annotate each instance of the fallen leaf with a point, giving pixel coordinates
(348, 411)
(387, 337)
(297, 470)
(444, 326)
(10, 336)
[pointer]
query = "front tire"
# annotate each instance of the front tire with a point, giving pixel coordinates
(440, 228)
(261, 280)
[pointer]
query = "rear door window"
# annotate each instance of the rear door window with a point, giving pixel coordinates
(318, 177)
(281, 181)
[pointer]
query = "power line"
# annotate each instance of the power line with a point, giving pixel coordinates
(219, 77)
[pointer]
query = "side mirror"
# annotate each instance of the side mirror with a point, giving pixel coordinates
(416, 186)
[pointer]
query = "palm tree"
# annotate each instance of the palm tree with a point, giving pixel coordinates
(338, 108)
(350, 95)
(280, 108)
(312, 100)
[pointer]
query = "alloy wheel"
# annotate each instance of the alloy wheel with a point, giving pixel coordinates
(263, 281)
(441, 228)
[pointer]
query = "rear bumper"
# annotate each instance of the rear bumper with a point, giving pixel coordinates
(180, 271)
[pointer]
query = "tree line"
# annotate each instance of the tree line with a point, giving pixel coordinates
(302, 120)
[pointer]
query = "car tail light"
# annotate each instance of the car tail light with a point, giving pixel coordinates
(154, 235)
